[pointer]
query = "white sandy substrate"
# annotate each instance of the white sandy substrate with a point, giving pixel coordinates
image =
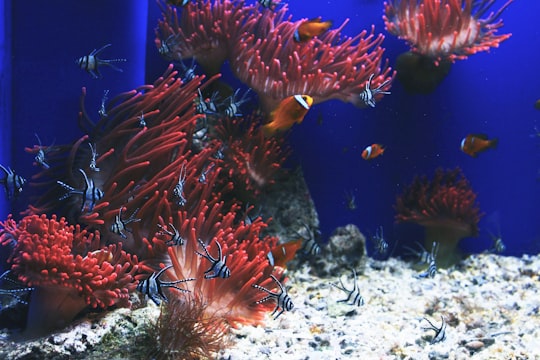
(491, 304)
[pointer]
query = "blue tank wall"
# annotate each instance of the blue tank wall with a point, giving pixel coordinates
(491, 93)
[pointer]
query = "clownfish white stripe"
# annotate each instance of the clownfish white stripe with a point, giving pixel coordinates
(301, 101)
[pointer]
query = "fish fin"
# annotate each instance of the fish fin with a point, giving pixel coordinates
(283, 253)
(493, 143)
(481, 136)
(268, 130)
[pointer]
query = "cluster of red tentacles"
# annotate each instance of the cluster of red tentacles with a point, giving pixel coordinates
(446, 30)
(258, 43)
(446, 199)
(68, 267)
(447, 209)
(149, 172)
(255, 158)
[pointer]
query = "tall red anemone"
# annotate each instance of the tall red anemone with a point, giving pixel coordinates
(258, 43)
(68, 268)
(445, 206)
(233, 298)
(147, 181)
(440, 32)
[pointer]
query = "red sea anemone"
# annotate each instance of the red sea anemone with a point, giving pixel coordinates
(440, 32)
(253, 159)
(259, 46)
(445, 206)
(149, 172)
(68, 269)
(232, 298)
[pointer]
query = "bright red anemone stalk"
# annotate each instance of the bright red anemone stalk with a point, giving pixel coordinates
(68, 269)
(446, 207)
(157, 194)
(445, 29)
(233, 298)
(259, 46)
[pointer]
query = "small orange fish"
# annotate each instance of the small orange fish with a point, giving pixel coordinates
(372, 151)
(475, 143)
(308, 29)
(289, 111)
(283, 253)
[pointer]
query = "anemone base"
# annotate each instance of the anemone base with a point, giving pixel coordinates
(448, 238)
(51, 308)
(419, 74)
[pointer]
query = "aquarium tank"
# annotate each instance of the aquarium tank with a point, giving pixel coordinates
(138, 138)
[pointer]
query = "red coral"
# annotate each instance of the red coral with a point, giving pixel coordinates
(252, 159)
(440, 32)
(61, 260)
(231, 298)
(260, 48)
(446, 206)
(446, 30)
(141, 168)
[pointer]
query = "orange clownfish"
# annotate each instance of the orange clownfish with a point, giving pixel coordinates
(290, 110)
(475, 143)
(372, 151)
(283, 253)
(311, 28)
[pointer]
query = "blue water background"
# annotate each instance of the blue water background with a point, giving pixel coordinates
(490, 93)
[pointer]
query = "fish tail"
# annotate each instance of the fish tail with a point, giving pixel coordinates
(493, 143)
(268, 130)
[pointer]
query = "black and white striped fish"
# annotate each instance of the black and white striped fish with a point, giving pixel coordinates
(233, 109)
(440, 332)
(218, 267)
(40, 156)
(381, 246)
(178, 190)
(13, 183)
(91, 194)
(368, 95)
(12, 292)
(498, 245)
(271, 4)
(206, 106)
(353, 296)
(310, 245)
(176, 239)
(205, 171)
(422, 255)
(153, 287)
(91, 63)
(283, 300)
(189, 71)
(103, 109)
(93, 160)
(166, 47)
(432, 264)
(119, 225)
